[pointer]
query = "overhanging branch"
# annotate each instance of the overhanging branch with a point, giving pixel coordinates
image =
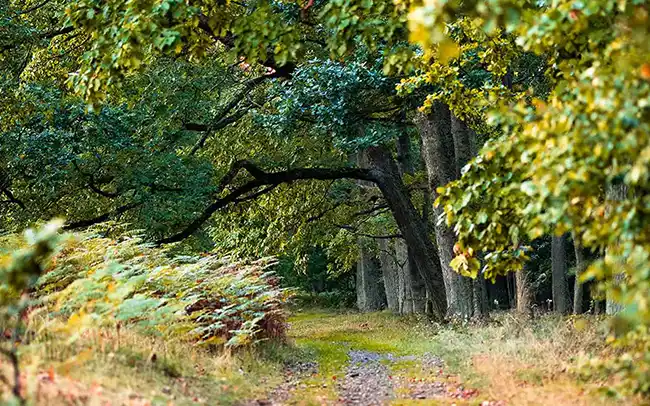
(261, 179)
(12, 198)
(102, 218)
(225, 119)
(43, 35)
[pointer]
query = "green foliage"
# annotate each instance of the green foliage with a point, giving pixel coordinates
(19, 273)
(21, 268)
(560, 91)
(334, 97)
(574, 162)
(206, 298)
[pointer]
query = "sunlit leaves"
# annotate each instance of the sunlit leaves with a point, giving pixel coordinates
(573, 162)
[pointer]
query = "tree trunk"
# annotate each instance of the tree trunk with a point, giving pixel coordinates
(615, 192)
(465, 148)
(511, 295)
(369, 289)
(442, 163)
(412, 292)
(390, 273)
(559, 274)
(581, 265)
(410, 223)
(598, 307)
(524, 292)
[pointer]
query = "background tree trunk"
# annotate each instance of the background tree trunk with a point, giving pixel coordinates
(370, 295)
(559, 274)
(479, 298)
(390, 270)
(410, 287)
(524, 292)
(412, 291)
(581, 265)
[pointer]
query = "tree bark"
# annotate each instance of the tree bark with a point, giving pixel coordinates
(390, 274)
(480, 298)
(369, 289)
(465, 148)
(509, 290)
(411, 290)
(386, 174)
(439, 152)
(581, 265)
(559, 274)
(524, 292)
(413, 295)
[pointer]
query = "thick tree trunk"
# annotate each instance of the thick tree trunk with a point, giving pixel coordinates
(581, 265)
(411, 290)
(404, 293)
(443, 157)
(559, 274)
(465, 148)
(390, 273)
(410, 223)
(598, 307)
(479, 310)
(370, 295)
(482, 308)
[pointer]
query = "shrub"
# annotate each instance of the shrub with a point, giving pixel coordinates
(335, 299)
(19, 271)
(207, 298)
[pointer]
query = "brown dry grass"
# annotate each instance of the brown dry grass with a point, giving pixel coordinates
(107, 367)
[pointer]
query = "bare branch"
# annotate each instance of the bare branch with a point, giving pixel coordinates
(256, 194)
(12, 198)
(209, 130)
(43, 35)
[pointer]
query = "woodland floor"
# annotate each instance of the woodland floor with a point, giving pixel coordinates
(332, 359)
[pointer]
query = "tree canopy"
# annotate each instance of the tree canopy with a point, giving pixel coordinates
(465, 130)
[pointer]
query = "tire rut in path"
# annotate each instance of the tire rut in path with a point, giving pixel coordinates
(368, 379)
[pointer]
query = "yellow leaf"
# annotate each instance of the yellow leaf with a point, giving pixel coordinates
(447, 50)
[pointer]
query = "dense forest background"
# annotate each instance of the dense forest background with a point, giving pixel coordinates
(190, 170)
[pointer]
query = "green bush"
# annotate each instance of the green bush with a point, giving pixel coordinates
(206, 298)
(336, 299)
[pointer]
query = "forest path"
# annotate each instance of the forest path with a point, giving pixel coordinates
(349, 358)
(346, 360)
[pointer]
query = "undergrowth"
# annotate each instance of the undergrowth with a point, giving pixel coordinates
(91, 309)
